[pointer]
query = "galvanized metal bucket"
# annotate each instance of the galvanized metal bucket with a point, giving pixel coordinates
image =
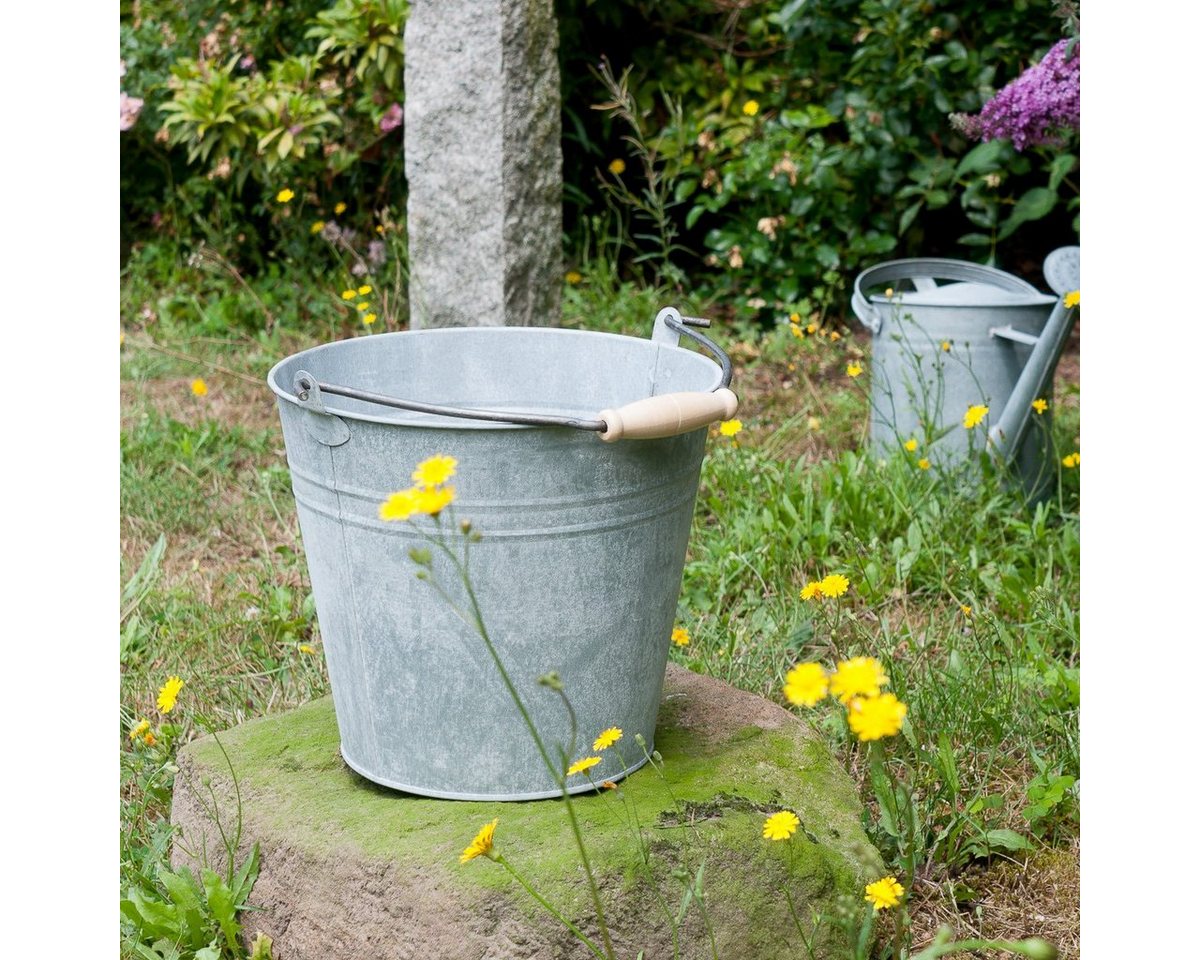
(986, 338)
(583, 542)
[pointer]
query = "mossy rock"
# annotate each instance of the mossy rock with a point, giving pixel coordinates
(352, 869)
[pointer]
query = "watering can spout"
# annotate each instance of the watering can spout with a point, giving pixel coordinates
(1061, 270)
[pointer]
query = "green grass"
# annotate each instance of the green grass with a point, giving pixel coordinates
(992, 734)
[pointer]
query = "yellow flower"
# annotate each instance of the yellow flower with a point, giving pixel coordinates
(199, 387)
(966, 610)
(579, 766)
(780, 826)
(797, 331)
(607, 738)
(884, 893)
(750, 108)
(149, 739)
(379, 228)
(680, 637)
(812, 328)
(617, 167)
(1071, 299)
(481, 846)
(731, 428)
(574, 277)
(924, 463)
(363, 306)
(873, 718)
(284, 195)
(364, 290)
(834, 585)
(137, 731)
(806, 684)
(794, 318)
(1040, 406)
(369, 319)
(974, 415)
(400, 505)
(305, 648)
(348, 294)
(834, 336)
(317, 227)
(910, 444)
(339, 208)
(433, 502)
(811, 592)
(889, 293)
(1071, 460)
(945, 346)
(434, 471)
(814, 423)
(859, 677)
(168, 693)
(853, 369)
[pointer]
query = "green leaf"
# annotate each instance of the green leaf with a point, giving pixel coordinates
(220, 902)
(1033, 205)
(693, 215)
(1008, 840)
(909, 215)
(1060, 167)
(982, 159)
(975, 240)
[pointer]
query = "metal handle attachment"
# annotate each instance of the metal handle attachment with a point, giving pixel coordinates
(645, 421)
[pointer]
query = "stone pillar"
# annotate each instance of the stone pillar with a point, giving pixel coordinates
(483, 160)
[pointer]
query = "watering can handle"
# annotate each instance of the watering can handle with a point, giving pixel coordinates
(920, 268)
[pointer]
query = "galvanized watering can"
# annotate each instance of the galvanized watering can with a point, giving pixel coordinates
(988, 338)
(580, 564)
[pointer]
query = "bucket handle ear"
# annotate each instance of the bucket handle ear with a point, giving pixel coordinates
(920, 269)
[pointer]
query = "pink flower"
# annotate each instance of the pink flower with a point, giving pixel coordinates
(392, 118)
(130, 108)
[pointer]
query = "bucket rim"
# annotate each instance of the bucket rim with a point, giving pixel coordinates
(447, 423)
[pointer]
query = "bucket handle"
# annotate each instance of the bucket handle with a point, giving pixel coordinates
(919, 270)
(667, 415)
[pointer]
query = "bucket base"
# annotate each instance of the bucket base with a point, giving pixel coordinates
(585, 787)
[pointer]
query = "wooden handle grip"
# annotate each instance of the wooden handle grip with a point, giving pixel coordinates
(668, 415)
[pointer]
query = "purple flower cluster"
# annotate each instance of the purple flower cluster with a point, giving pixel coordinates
(1036, 107)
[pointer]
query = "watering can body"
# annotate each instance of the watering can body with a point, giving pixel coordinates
(985, 339)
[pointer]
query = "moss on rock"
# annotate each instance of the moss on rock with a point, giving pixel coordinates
(349, 865)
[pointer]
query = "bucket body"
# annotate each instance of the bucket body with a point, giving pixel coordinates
(934, 356)
(578, 570)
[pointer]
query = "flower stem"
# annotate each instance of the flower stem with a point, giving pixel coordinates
(499, 858)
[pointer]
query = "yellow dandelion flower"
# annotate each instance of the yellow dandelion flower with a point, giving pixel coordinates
(149, 739)
(966, 610)
(834, 585)
(481, 846)
(780, 826)
(731, 428)
(141, 727)
(924, 463)
(434, 471)
(1071, 299)
(348, 294)
(873, 718)
(945, 346)
(806, 684)
(812, 591)
(305, 648)
(579, 766)
(433, 502)
(858, 677)
(1039, 405)
(364, 289)
(797, 332)
(607, 738)
(400, 505)
(317, 227)
(168, 693)
(339, 208)
(574, 277)
(884, 893)
(369, 319)
(814, 423)
(680, 637)
(974, 415)
(834, 336)
(811, 328)
(379, 228)
(910, 444)
(362, 307)
(794, 318)
(199, 387)
(853, 369)
(889, 293)
(750, 108)
(617, 167)
(1071, 460)
(284, 196)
